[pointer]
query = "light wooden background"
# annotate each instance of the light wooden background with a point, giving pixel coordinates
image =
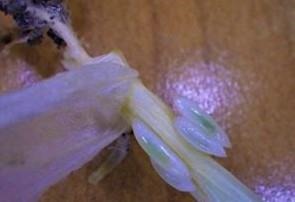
(235, 58)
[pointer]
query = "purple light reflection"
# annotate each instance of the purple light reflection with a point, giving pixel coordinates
(212, 86)
(276, 183)
(16, 73)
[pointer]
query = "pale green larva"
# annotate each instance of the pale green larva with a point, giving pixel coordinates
(195, 136)
(202, 121)
(164, 160)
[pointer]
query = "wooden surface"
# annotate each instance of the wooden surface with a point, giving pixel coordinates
(235, 58)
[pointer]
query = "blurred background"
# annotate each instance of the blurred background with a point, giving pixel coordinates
(234, 58)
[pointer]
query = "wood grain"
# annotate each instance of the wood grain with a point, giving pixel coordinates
(235, 58)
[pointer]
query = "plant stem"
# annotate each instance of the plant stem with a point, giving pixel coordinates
(75, 55)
